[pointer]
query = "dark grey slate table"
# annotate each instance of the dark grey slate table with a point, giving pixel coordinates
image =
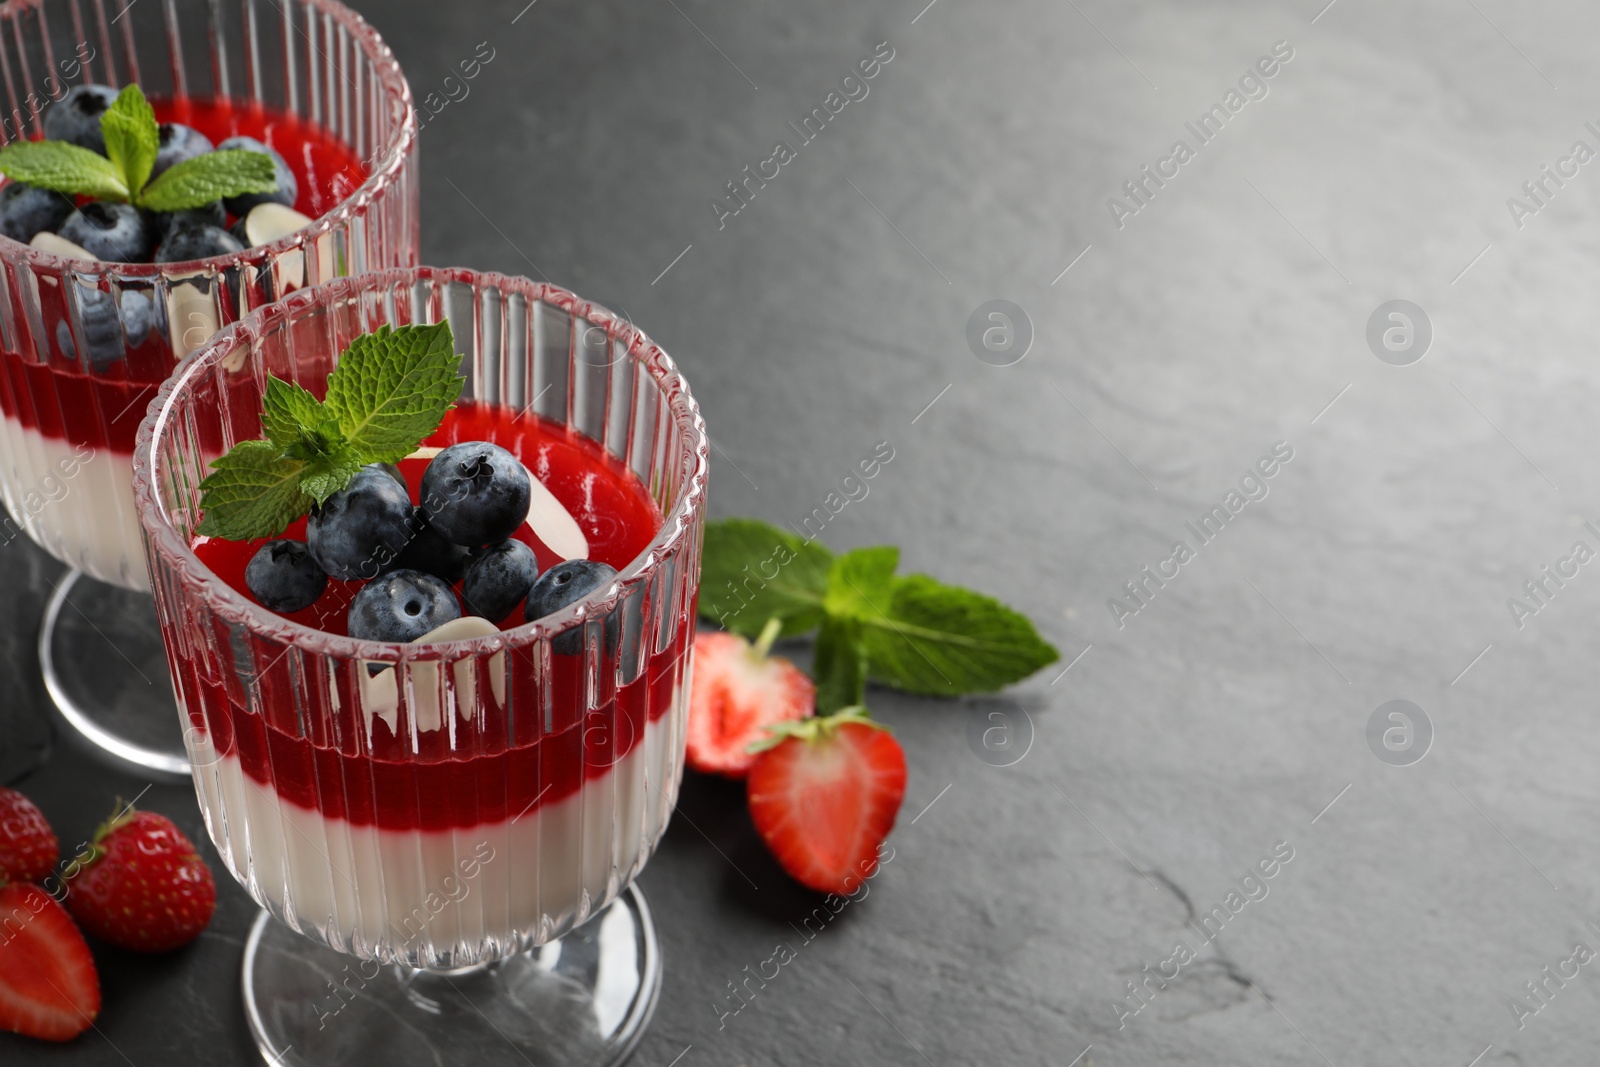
(1178, 337)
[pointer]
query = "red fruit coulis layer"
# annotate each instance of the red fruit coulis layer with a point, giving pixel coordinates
(552, 732)
(49, 392)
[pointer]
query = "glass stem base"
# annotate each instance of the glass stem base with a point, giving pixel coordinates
(582, 1001)
(106, 673)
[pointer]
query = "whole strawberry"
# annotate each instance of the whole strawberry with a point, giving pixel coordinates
(737, 692)
(143, 886)
(824, 794)
(28, 847)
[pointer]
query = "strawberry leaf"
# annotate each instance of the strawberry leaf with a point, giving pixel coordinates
(814, 727)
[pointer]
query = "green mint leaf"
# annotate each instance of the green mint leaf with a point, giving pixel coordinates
(943, 640)
(212, 176)
(752, 571)
(327, 475)
(391, 388)
(319, 444)
(288, 411)
(253, 491)
(63, 167)
(861, 584)
(132, 136)
(839, 664)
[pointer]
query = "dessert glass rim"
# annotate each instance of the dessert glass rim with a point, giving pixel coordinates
(395, 86)
(230, 604)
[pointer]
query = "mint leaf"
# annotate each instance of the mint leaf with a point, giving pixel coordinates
(132, 136)
(861, 583)
(287, 410)
(839, 665)
(212, 176)
(388, 391)
(391, 388)
(327, 475)
(63, 167)
(943, 640)
(254, 491)
(752, 571)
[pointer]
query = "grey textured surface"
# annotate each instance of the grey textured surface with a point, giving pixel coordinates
(1221, 318)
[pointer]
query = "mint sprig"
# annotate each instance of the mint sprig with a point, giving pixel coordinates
(388, 398)
(388, 392)
(910, 632)
(122, 175)
(132, 137)
(753, 572)
(64, 167)
(199, 180)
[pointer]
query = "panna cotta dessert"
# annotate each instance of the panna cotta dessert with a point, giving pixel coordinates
(431, 634)
(114, 273)
(403, 842)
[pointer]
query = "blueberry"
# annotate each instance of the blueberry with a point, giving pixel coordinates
(432, 554)
(138, 316)
(168, 222)
(401, 606)
(283, 576)
(498, 578)
(76, 117)
(288, 188)
(117, 233)
(184, 243)
(104, 330)
(476, 493)
(359, 531)
(178, 143)
(25, 210)
(393, 470)
(564, 584)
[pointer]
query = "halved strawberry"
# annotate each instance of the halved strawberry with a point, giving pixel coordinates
(143, 887)
(28, 847)
(48, 985)
(738, 692)
(825, 795)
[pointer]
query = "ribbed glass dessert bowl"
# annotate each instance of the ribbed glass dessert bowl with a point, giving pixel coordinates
(454, 825)
(84, 343)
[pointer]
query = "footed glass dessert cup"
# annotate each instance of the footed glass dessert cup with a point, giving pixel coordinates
(85, 343)
(452, 826)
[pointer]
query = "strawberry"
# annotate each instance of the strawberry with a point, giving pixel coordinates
(48, 985)
(143, 885)
(824, 795)
(28, 847)
(738, 691)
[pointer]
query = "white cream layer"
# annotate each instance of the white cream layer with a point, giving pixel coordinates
(424, 894)
(76, 501)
